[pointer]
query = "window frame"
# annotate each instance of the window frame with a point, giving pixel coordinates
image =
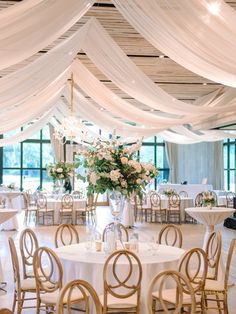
(228, 144)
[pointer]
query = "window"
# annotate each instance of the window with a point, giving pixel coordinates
(153, 150)
(25, 163)
(229, 165)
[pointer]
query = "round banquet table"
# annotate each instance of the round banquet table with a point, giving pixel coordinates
(78, 262)
(5, 214)
(13, 200)
(55, 204)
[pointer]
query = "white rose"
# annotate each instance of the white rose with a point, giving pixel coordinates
(59, 170)
(93, 178)
(138, 181)
(115, 175)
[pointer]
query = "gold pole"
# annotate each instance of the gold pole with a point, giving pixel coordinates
(72, 94)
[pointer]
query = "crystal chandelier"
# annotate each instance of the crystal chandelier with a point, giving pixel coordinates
(70, 126)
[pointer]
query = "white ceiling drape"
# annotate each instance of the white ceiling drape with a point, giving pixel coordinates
(34, 28)
(179, 28)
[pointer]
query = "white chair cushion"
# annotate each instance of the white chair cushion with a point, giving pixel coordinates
(67, 210)
(113, 302)
(169, 295)
(214, 285)
(51, 298)
(80, 210)
(28, 284)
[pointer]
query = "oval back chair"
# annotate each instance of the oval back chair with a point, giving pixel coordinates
(28, 246)
(121, 229)
(170, 235)
(121, 285)
(177, 281)
(213, 251)
(79, 287)
(198, 200)
(66, 235)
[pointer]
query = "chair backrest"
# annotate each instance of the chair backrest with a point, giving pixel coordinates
(122, 284)
(174, 201)
(67, 202)
(213, 251)
(47, 270)
(66, 235)
(15, 262)
(82, 287)
(41, 201)
(5, 311)
(228, 263)
(155, 200)
(176, 280)
(170, 235)
(120, 228)
(193, 264)
(229, 199)
(28, 246)
(198, 200)
(183, 194)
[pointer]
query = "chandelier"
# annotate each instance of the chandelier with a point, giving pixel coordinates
(70, 127)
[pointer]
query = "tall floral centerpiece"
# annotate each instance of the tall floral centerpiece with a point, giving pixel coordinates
(113, 167)
(60, 173)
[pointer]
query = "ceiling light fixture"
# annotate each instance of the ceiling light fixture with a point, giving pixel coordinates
(214, 7)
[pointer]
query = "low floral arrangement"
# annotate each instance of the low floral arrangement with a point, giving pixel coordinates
(11, 186)
(111, 166)
(61, 171)
(208, 198)
(169, 192)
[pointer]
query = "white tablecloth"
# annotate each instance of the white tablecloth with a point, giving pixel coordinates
(191, 189)
(210, 218)
(14, 200)
(79, 263)
(56, 205)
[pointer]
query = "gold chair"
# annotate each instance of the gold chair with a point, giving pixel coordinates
(70, 231)
(157, 211)
(67, 205)
(230, 199)
(121, 228)
(213, 251)
(183, 194)
(173, 210)
(172, 236)
(193, 265)
(198, 200)
(43, 210)
(89, 212)
(5, 311)
(21, 287)
(30, 208)
(180, 284)
(121, 289)
(28, 245)
(140, 210)
(49, 282)
(219, 288)
(65, 301)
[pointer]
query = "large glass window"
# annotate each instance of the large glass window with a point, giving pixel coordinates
(229, 165)
(25, 163)
(153, 150)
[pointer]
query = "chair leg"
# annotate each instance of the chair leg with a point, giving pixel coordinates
(14, 302)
